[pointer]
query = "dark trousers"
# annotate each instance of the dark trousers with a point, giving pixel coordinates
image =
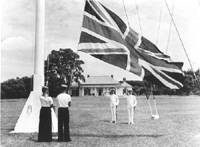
(45, 125)
(63, 124)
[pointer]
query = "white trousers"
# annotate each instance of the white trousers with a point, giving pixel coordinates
(114, 112)
(130, 115)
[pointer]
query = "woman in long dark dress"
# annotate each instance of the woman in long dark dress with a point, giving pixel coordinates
(45, 123)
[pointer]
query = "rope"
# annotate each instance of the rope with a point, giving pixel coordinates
(150, 108)
(159, 22)
(156, 116)
(138, 16)
(155, 104)
(198, 2)
(173, 21)
(80, 29)
(47, 82)
(148, 99)
(169, 34)
(33, 63)
(126, 13)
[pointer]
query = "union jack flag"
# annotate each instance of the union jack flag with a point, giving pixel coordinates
(106, 36)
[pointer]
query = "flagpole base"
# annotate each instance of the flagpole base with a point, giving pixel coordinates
(28, 121)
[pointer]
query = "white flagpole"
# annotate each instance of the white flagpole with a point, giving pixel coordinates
(38, 81)
(28, 121)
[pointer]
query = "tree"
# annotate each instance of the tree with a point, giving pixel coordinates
(62, 67)
(16, 88)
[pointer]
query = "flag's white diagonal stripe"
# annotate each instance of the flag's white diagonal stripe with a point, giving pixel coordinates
(117, 44)
(165, 82)
(97, 45)
(169, 69)
(102, 23)
(154, 55)
(103, 11)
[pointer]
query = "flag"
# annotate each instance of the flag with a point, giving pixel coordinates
(106, 36)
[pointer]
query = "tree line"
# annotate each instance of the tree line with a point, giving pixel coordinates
(191, 86)
(64, 66)
(21, 87)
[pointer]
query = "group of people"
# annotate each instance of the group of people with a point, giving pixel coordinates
(45, 120)
(131, 105)
(64, 102)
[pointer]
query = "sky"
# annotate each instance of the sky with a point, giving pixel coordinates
(63, 25)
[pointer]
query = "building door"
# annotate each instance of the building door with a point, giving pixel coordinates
(100, 91)
(86, 91)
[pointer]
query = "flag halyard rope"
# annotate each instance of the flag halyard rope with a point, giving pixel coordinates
(178, 33)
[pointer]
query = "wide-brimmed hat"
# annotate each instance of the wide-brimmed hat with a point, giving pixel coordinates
(44, 87)
(130, 90)
(64, 85)
(112, 89)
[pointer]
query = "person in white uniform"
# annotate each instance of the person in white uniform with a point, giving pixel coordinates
(64, 102)
(114, 102)
(45, 120)
(131, 105)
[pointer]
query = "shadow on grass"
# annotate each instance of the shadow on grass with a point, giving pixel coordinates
(6, 129)
(118, 136)
(54, 139)
(34, 139)
(108, 121)
(126, 123)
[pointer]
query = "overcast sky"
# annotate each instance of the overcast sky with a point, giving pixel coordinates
(63, 24)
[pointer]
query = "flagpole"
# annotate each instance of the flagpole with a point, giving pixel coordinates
(38, 78)
(29, 122)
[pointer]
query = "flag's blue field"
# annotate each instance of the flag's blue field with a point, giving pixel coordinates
(179, 124)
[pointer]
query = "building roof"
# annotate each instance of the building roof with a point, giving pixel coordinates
(100, 80)
(125, 85)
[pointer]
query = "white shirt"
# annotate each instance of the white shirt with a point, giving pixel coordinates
(131, 101)
(63, 100)
(114, 100)
(46, 101)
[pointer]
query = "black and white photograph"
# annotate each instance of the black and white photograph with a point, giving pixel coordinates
(100, 73)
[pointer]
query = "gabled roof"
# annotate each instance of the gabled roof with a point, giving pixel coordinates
(100, 80)
(125, 85)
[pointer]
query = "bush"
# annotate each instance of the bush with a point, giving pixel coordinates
(16, 88)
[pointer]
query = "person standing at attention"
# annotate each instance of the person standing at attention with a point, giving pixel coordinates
(64, 102)
(131, 105)
(45, 122)
(114, 102)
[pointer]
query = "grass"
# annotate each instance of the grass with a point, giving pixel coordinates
(179, 124)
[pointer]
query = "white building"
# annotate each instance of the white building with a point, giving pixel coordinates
(99, 86)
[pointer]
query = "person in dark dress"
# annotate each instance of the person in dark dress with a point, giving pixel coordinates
(45, 122)
(64, 101)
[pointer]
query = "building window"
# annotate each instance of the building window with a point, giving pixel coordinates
(87, 91)
(100, 91)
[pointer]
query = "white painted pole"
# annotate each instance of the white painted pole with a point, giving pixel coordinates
(38, 81)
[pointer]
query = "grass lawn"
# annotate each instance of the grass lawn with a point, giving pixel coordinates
(179, 124)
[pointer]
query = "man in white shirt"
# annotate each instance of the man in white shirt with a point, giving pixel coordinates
(131, 105)
(64, 101)
(114, 102)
